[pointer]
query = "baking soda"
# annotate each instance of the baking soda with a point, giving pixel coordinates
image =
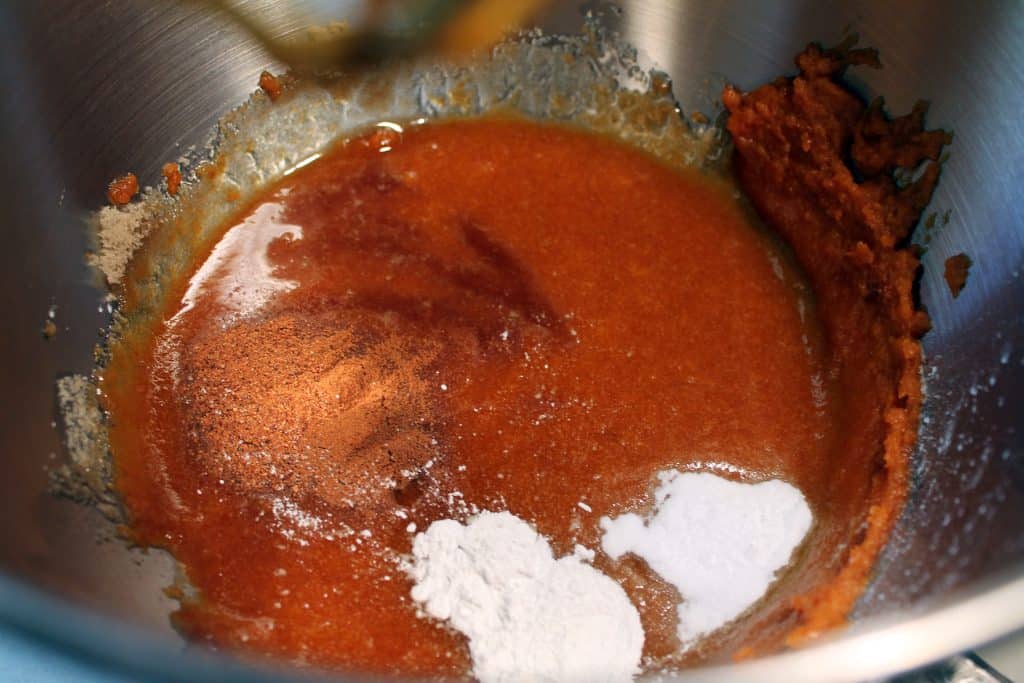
(719, 542)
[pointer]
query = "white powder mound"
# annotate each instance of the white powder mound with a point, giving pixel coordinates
(528, 616)
(717, 541)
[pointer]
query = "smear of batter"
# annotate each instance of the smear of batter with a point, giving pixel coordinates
(717, 541)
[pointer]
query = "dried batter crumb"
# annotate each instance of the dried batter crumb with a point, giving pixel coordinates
(49, 330)
(271, 85)
(957, 269)
(121, 189)
(119, 233)
(172, 173)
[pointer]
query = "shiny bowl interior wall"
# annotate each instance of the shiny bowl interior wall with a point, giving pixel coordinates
(94, 88)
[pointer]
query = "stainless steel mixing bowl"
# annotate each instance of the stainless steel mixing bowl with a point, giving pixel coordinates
(93, 88)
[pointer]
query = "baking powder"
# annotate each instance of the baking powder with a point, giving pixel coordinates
(719, 542)
(528, 616)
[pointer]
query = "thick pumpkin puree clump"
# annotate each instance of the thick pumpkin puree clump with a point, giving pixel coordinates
(818, 164)
(497, 314)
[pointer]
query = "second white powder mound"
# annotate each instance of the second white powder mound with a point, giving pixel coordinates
(527, 615)
(719, 542)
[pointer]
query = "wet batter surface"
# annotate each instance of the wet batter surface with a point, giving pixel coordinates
(473, 315)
